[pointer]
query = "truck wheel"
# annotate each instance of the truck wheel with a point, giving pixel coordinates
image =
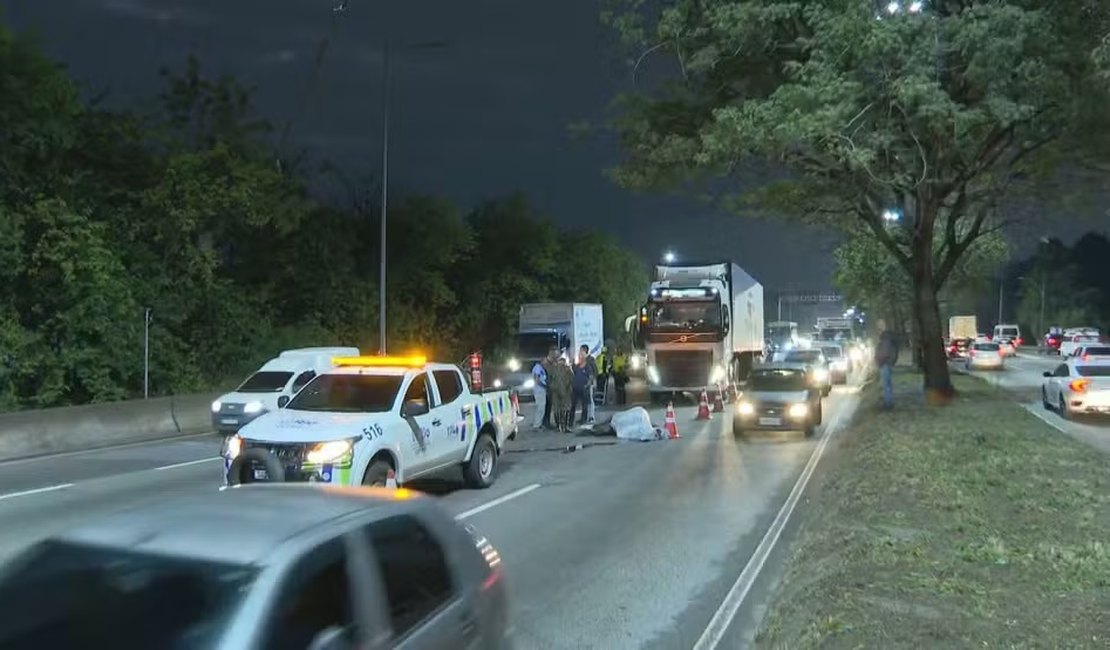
(480, 469)
(377, 473)
(242, 468)
(737, 428)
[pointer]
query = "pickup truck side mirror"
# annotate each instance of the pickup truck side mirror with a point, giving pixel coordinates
(282, 401)
(1046, 374)
(414, 407)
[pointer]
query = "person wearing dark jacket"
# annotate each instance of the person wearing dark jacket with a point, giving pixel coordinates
(584, 373)
(886, 355)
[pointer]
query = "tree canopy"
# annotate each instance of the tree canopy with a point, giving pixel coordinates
(940, 114)
(187, 212)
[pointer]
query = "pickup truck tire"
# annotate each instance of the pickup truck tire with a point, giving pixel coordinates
(377, 472)
(480, 470)
(242, 468)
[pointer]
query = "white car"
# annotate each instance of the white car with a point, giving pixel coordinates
(1078, 387)
(370, 416)
(1071, 345)
(985, 356)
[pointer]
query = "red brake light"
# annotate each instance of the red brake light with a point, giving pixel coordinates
(1079, 385)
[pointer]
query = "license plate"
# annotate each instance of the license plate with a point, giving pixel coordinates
(229, 421)
(260, 475)
(770, 422)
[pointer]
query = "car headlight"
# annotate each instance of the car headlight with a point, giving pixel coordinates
(856, 354)
(497, 383)
(745, 408)
(653, 374)
(636, 363)
(798, 410)
(514, 365)
(820, 374)
(326, 452)
(232, 446)
(216, 406)
(529, 383)
(717, 375)
(252, 407)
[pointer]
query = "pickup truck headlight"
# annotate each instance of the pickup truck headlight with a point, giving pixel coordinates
(327, 452)
(745, 408)
(252, 407)
(232, 446)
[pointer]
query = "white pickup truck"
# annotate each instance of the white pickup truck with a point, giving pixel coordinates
(354, 423)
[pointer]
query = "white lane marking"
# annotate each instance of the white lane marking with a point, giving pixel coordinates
(1044, 418)
(722, 618)
(188, 462)
(496, 502)
(27, 493)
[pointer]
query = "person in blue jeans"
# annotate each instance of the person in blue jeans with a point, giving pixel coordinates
(886, 355)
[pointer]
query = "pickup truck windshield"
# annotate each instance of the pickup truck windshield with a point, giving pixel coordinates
(64, 595)
(778, 380)
(699, 315)
(265, 382)
(348, 394)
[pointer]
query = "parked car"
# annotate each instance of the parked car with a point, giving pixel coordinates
(778, 396)
(275, 567)
(1078, 387)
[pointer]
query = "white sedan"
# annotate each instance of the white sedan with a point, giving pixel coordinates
(1078, 387)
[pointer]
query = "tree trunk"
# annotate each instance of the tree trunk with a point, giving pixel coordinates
(934, 362)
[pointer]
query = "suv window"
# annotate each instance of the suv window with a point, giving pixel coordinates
(316, 596)
(414, 569)
(302, 380)
(449, 385)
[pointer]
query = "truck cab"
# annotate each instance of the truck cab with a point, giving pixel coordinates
(370, 416)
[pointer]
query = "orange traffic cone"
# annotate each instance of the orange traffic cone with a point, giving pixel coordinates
(391, 479)
(669, 423)
(703, 407)
(719, 400)
(516, 403)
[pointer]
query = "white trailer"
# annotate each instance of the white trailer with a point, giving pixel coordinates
(566, 326)
(702, 327)
(963, 327)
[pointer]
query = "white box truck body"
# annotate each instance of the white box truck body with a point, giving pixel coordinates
(963, 327)
(542, 326)
(702, 327)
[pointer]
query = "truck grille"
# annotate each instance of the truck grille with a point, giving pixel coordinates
(291, 456)
(685, 368)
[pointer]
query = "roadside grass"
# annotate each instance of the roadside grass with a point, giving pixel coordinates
(971, 525)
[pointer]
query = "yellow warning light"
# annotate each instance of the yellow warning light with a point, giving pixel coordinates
(415, 361)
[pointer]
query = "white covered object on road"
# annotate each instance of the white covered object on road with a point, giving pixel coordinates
(634, 424)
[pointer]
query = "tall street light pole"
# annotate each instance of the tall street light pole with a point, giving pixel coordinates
(1001, 284)
(386, 79)
(146, 352)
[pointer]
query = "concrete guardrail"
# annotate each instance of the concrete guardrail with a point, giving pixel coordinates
(93, 426)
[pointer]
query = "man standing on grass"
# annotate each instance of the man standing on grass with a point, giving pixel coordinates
(886, 355)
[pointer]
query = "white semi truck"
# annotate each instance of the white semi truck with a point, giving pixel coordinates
(834, 329)
(565, 326)
(702, 327)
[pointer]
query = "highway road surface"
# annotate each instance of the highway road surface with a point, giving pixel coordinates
(1023, 377)
(627, 545)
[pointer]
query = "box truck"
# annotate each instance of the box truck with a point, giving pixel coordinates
(702, 327)
(565, 326)
(962, 327)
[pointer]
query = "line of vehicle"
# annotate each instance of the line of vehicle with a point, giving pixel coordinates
(26, 493)
(722, 619)
(466, 514)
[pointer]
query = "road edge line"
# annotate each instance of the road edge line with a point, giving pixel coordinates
(187, 463)
(722, 619)
(466, 514)
(27, 493)
(1040, 416)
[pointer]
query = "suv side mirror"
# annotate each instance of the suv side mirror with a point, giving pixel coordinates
(282, 401)
(1046, 374)
(414, 407)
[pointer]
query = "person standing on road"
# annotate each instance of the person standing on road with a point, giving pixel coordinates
(579, 389)
(539, 391)
(560, 381)
(549, 367)
(620, 375)
(604, 360)
(886, 355)
(591, 383)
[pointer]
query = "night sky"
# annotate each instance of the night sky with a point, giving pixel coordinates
(489, 114)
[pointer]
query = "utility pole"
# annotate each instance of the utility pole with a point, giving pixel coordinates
(146, 353)
(1041, 324)
(387, 73)
(1001, 283)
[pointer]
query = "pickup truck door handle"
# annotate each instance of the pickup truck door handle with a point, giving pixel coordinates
(436, 423)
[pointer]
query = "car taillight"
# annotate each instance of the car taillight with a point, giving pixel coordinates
(1079, 385)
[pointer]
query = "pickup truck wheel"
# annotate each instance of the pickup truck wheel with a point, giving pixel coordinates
(377, 473)
(480, 469)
